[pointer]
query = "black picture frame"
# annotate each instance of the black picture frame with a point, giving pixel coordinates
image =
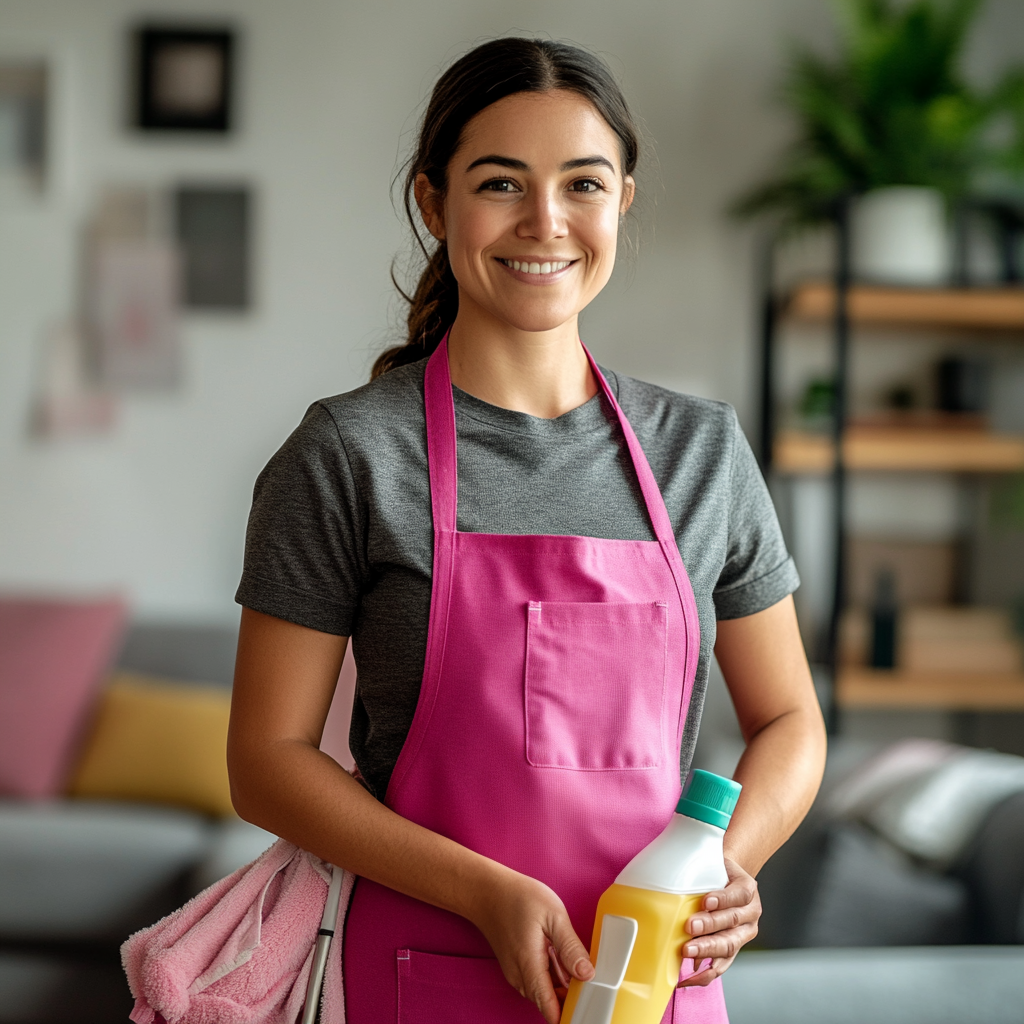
(184, 79)
(214, 230)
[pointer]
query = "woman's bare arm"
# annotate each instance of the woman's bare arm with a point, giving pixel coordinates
(766, 670)
(285, 677)
(763, 661)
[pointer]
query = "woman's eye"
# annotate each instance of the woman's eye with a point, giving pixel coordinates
(586, 185)
(498, 185)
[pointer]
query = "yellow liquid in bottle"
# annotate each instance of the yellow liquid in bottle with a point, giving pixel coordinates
(653, 970)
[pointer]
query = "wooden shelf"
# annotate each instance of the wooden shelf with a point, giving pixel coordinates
(999, 309)
(864, 688)
(907, 449)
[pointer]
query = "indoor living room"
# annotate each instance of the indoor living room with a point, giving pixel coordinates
(202, 225)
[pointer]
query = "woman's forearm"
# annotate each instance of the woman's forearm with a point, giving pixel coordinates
(780, 771)
(766, 670)
(294, 790)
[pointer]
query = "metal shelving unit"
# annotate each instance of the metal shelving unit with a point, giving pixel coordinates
(854, 447)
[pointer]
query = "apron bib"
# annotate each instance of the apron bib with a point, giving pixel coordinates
(556, 682)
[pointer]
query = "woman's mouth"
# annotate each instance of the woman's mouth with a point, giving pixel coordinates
(534, 267)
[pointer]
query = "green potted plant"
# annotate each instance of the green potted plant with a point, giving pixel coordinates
(892, 119)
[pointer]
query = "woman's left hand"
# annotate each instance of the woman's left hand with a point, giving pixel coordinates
(727, 922)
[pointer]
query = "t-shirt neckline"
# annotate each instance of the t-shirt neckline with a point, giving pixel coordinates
(592, 415)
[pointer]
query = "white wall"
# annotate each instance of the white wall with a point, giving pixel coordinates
(330, 92)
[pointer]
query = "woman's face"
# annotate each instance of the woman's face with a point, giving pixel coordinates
(531, 215)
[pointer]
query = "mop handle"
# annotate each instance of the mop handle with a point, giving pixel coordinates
(323, 946)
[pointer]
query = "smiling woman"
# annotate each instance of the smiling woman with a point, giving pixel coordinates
(532, 557)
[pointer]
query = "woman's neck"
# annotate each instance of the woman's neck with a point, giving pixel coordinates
(543, 373)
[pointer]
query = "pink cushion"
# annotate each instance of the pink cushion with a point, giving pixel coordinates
(53, 657)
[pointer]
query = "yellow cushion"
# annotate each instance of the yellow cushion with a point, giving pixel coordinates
(159, 741)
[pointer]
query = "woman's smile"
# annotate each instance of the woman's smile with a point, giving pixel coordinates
(542, 270)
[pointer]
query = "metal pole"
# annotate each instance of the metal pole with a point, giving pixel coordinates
(841, 330)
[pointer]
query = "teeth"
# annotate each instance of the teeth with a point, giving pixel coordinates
(537, 268)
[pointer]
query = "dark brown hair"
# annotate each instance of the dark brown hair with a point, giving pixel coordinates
(483, 76)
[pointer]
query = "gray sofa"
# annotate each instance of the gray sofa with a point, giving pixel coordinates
(853, 930)
(78, 876)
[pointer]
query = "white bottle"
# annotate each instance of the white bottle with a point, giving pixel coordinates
(642, 916)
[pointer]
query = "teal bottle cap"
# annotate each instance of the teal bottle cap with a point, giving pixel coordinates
(709, 798)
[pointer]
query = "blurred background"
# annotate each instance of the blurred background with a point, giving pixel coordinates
(196, 229)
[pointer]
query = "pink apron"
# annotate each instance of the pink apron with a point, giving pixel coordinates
(557, 677)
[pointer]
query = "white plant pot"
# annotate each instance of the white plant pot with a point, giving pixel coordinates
(901, 235)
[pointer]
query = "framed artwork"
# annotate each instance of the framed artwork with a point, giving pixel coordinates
(23, 87)
(215, 239)
(132, 306)
(185, 79)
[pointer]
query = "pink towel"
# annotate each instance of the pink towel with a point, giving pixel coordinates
(241, 951)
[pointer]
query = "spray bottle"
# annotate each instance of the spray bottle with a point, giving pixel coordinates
(639, 933)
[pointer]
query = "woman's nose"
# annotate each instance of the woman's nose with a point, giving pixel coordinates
(543, 217)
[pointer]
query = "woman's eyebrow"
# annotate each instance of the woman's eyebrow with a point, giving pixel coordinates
(520, 165)
(501, 161)
(587, 161)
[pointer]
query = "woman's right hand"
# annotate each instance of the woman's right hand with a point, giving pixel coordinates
(531, 935)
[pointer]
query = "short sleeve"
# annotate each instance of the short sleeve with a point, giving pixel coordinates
(305, 558)
(758, 571)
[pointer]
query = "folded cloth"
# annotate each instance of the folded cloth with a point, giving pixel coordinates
(241, 951)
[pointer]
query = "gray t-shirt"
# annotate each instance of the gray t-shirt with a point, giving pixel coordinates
(340, 536)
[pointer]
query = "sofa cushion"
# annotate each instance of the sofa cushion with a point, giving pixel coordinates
(174, 650)
(74, 870)
(159, 741)
(53, 656)
(995, 872)
(868, 893)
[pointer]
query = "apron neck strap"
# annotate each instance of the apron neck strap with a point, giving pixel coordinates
(443, 459)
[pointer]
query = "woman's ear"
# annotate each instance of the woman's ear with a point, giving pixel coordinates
(628, 193)
(431, 206)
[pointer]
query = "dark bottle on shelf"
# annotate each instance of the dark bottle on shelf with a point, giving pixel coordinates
(884, 616)
(963, 384)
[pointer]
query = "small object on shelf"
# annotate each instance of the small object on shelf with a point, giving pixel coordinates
(901, 397)
(1008, 221)
(963, 384)
(901, 236)
(884, 617)
(817, 406)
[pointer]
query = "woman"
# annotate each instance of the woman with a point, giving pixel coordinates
(533, 617)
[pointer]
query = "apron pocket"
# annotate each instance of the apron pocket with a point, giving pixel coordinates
(435, 989)
(595, 685)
